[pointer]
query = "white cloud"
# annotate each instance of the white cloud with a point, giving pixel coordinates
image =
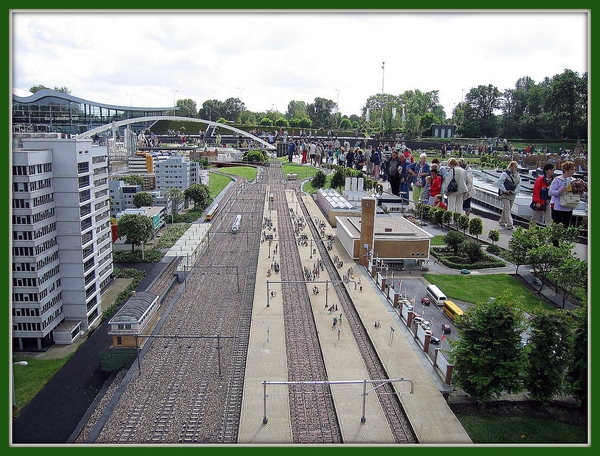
(141, 57)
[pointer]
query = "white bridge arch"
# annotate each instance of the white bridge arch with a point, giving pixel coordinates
(121, 123)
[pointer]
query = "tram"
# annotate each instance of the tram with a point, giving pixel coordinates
(236, 224)
(211, 212)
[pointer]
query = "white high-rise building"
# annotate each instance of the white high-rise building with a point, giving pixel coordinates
(61, 240)
(178, 172)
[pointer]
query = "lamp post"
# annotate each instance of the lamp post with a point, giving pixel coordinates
(19, 363)
(241, 89)
(131, 98)
(382, 75)
(174, 92)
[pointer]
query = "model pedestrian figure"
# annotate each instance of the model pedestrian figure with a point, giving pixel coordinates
(335, 320)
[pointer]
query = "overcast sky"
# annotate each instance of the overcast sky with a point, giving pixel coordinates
(269, 59)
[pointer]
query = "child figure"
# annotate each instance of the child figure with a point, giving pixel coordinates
(426, 191)
(439, 203)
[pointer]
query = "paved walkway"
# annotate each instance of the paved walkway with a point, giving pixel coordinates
(429, 414)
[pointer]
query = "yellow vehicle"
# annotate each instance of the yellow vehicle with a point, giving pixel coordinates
(211, 212)
(452, 310)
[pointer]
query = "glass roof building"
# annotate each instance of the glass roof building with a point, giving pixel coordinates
(49, 111)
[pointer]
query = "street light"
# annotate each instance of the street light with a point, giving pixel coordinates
(174, 92)
(337, 103)
(19, 363)
(382, 74)
(131, 98)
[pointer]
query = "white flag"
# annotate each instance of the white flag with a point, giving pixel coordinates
(367, 117)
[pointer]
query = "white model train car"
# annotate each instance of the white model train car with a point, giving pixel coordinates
(236, 224)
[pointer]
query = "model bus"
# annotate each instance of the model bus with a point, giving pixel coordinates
(236, 224)
(212, 211)
(452, 310)
(436, 295)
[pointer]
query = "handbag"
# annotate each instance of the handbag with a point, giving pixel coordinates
(570, 200)
(509, 185)
(452, 185)
(535, 208)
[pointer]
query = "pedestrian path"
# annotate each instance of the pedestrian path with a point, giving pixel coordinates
(429, 414)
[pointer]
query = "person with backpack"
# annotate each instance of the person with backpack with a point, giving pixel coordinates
(508, 187)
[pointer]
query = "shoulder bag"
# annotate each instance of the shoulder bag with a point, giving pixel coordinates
(452, 185)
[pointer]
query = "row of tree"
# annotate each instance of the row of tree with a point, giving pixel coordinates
(553, 108)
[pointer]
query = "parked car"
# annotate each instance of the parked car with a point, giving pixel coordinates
(425, 301)
(446, 328)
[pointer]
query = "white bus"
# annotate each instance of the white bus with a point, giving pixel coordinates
(236, 225)
(436, 295)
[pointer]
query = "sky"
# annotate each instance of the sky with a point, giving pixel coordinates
(267, 59)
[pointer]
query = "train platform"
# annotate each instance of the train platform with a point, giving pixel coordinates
(265, 417)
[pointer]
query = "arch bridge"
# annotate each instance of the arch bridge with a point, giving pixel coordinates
(114, 125)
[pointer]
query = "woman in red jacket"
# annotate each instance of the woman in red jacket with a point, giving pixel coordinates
(540, 199)
(436, 184)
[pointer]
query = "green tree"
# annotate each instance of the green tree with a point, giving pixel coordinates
(476, 227)
(473, 251)
(175, 196)
(544, 258)
(571, 273)
(462, 223)
(494, 236)
(338, 180)
(447, 217)
(345, 124)
(521, 242)
(187, 108)
(547, 354)
(320, 112)
(199, 194)
(453, 239)
(266, 122)
(136, 228)
(256, 156)
(318, 180)
(141, 199)
(577, 370)
(487, 358)
(296, 109)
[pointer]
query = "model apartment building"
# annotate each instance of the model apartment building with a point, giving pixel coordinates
(60, 240)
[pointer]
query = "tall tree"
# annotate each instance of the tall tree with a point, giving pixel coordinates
(577, 370)
(199, 194)
(137, 228)
(175, 196)
(320, 112)
(187, 108)
(547, 354)
(296, 109)
(487, 358)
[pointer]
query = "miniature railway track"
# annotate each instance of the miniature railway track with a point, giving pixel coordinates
(188, 389)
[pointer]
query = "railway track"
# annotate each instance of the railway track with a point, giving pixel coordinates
(189, 386)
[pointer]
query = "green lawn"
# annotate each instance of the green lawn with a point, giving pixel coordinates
(491, 429)
(477, 288)
(30, 379)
